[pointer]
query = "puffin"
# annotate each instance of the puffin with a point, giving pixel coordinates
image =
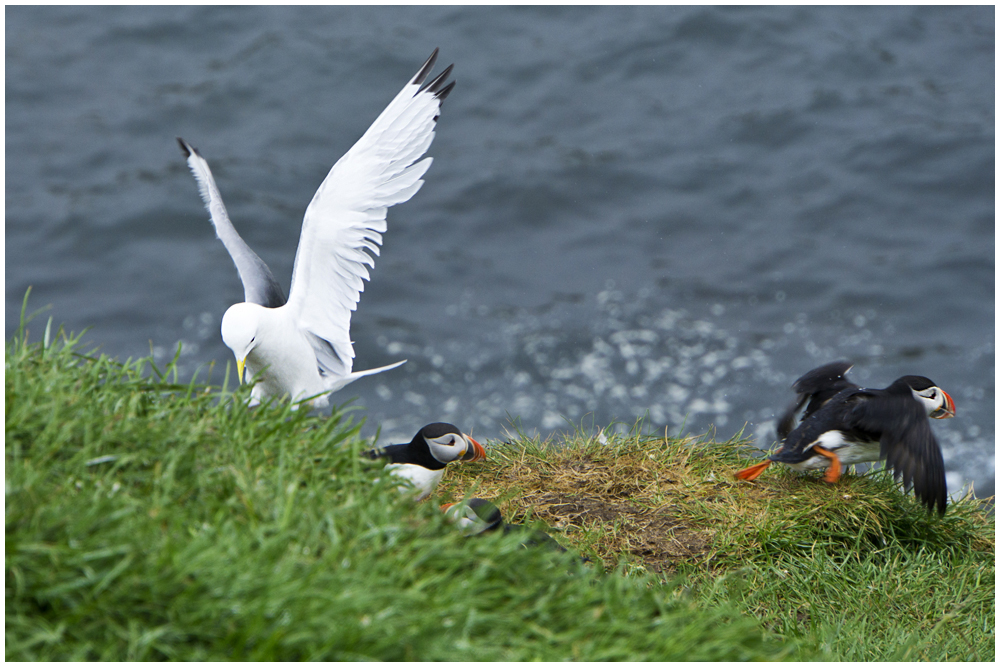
(301, 347)
(477, 516)
(857, 425)
(422, 460)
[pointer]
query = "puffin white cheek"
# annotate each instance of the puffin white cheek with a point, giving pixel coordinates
(931, 402)
(445, 453)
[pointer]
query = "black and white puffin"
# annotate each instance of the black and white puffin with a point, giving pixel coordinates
(476, 516)
(421, 461)
(858, 425)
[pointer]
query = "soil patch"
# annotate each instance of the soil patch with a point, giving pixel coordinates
(657, 537)
(631, 501)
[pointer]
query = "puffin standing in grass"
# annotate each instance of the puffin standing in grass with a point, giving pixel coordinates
(421, 461)
(857, 425)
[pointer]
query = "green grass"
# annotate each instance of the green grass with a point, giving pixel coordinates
(147, 519)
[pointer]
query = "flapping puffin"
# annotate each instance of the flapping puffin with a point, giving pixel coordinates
(422, 460)
(858, 425)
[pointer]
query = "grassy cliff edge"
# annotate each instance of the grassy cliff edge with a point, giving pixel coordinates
(147, 519)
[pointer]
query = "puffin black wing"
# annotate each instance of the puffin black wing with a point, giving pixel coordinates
(817, 387)
(415, 452)
(395, 453)
(908, 445)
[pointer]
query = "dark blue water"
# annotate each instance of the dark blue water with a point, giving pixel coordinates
(659, 212)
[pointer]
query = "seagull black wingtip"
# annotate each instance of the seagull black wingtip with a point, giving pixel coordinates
(426, 68)
(187, 148)
(435, 84)
(444, 92)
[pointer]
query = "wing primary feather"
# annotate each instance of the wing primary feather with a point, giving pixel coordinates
(443, 93)
(425, 69)
(436, 83)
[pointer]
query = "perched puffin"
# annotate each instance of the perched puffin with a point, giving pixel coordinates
(477, 516)
(421, 461)
(858, 425)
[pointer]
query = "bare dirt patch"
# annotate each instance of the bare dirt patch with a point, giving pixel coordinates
(657, 537)
(626, 502)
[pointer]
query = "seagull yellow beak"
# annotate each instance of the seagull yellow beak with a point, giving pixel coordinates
(239, 368)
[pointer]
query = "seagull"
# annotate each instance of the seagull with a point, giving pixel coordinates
(420, 463)
(859, 425)
(301, 347)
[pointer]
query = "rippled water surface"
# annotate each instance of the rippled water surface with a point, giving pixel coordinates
(659, 212)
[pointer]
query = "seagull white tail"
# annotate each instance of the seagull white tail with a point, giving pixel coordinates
(338, 383)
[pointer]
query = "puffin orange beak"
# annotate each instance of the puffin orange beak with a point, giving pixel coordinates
(946, 410)
(474, 453)
(444, 507)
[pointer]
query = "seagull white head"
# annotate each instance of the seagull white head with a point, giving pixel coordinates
(239, 332)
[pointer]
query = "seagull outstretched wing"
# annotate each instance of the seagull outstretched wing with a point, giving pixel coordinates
(259, 286)
(346, 216)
